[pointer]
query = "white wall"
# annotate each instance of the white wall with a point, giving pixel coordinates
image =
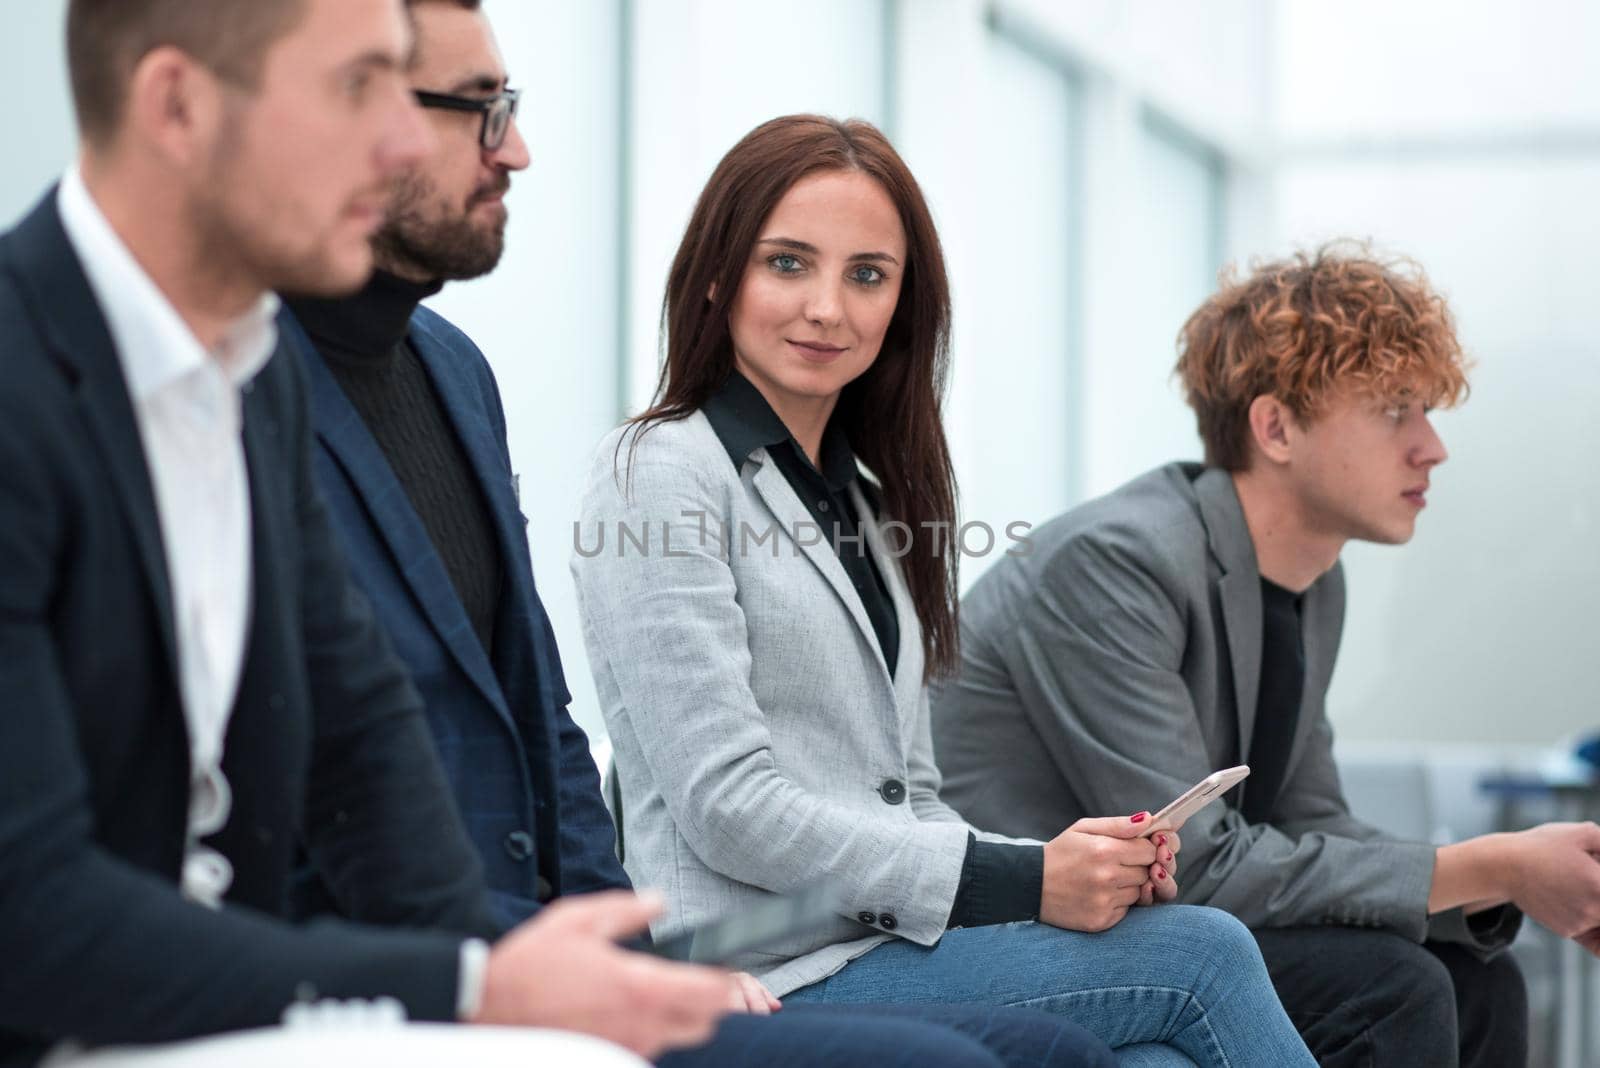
(1207, 63)
(1471, 142)
(37, 127)
(1019, 353)
(1429, 68)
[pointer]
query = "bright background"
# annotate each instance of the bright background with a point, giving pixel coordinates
(1090, 165)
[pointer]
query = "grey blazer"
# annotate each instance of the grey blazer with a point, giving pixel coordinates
(1118, 662)
(760, 740)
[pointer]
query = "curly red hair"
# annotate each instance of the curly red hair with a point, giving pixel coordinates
(1305, 328)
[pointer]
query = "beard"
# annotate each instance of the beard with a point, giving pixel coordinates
(422, 240)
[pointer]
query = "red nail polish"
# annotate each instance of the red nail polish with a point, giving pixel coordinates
(1160, 874)
(1138, 817)
(1161, 839)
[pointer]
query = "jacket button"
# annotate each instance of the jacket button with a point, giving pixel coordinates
(892, 791)
(887, 921)
(519, 845)
(867, 918)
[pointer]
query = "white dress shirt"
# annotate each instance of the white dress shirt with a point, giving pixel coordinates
(186, 400)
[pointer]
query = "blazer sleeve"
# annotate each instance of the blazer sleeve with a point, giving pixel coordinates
(94, 948)
(1096, 659)
(671, 633)
(1312, 802)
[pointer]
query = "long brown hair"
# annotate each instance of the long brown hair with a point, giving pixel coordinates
(891, 412)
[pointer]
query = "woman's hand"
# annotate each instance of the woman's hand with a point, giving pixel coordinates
(752, 996)
(1163, 884)
(1097, 869)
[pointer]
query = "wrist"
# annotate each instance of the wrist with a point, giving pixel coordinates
(1478, 870)
(1506, 863)
(1052, 871)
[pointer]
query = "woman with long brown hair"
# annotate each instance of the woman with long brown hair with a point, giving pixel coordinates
(767, 584)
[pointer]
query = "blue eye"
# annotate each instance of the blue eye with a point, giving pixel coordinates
(866, 276)
(784, 263)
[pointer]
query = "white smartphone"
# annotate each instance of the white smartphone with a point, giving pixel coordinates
(1195, 798)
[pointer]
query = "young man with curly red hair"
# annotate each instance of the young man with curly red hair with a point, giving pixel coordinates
(1189, 621)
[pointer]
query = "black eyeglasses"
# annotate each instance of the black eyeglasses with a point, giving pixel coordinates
(497, 111)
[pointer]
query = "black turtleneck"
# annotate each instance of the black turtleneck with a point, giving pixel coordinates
(364, 341)
(1283, 683)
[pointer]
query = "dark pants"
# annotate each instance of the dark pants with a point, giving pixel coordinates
(1362, 998)
(897, 1036)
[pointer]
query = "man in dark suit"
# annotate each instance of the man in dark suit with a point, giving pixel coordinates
(413, 461)
(1190, 620)
(191, 685)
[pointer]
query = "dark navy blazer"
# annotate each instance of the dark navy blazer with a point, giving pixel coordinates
(523, 778)
(326, 745)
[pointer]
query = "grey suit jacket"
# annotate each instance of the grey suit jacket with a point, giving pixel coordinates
(755, 724)
(1117, 663)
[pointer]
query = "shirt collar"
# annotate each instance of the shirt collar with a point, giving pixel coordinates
(744, 422)
(156, 347)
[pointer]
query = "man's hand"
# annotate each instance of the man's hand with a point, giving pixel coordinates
(563, 969)
(1553, 875)
(1097, 869)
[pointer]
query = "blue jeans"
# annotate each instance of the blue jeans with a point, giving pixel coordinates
(897, 1036)
(1182, 976)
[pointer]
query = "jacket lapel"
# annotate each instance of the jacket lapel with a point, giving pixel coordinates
(248, 754)
(59, 292)
(791, 514)
(464, 407)
(1239, 590)
(909, 665)
(347, 439)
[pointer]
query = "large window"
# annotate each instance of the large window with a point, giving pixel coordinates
(1175, 224)
(701, 75)
(1017, 383)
